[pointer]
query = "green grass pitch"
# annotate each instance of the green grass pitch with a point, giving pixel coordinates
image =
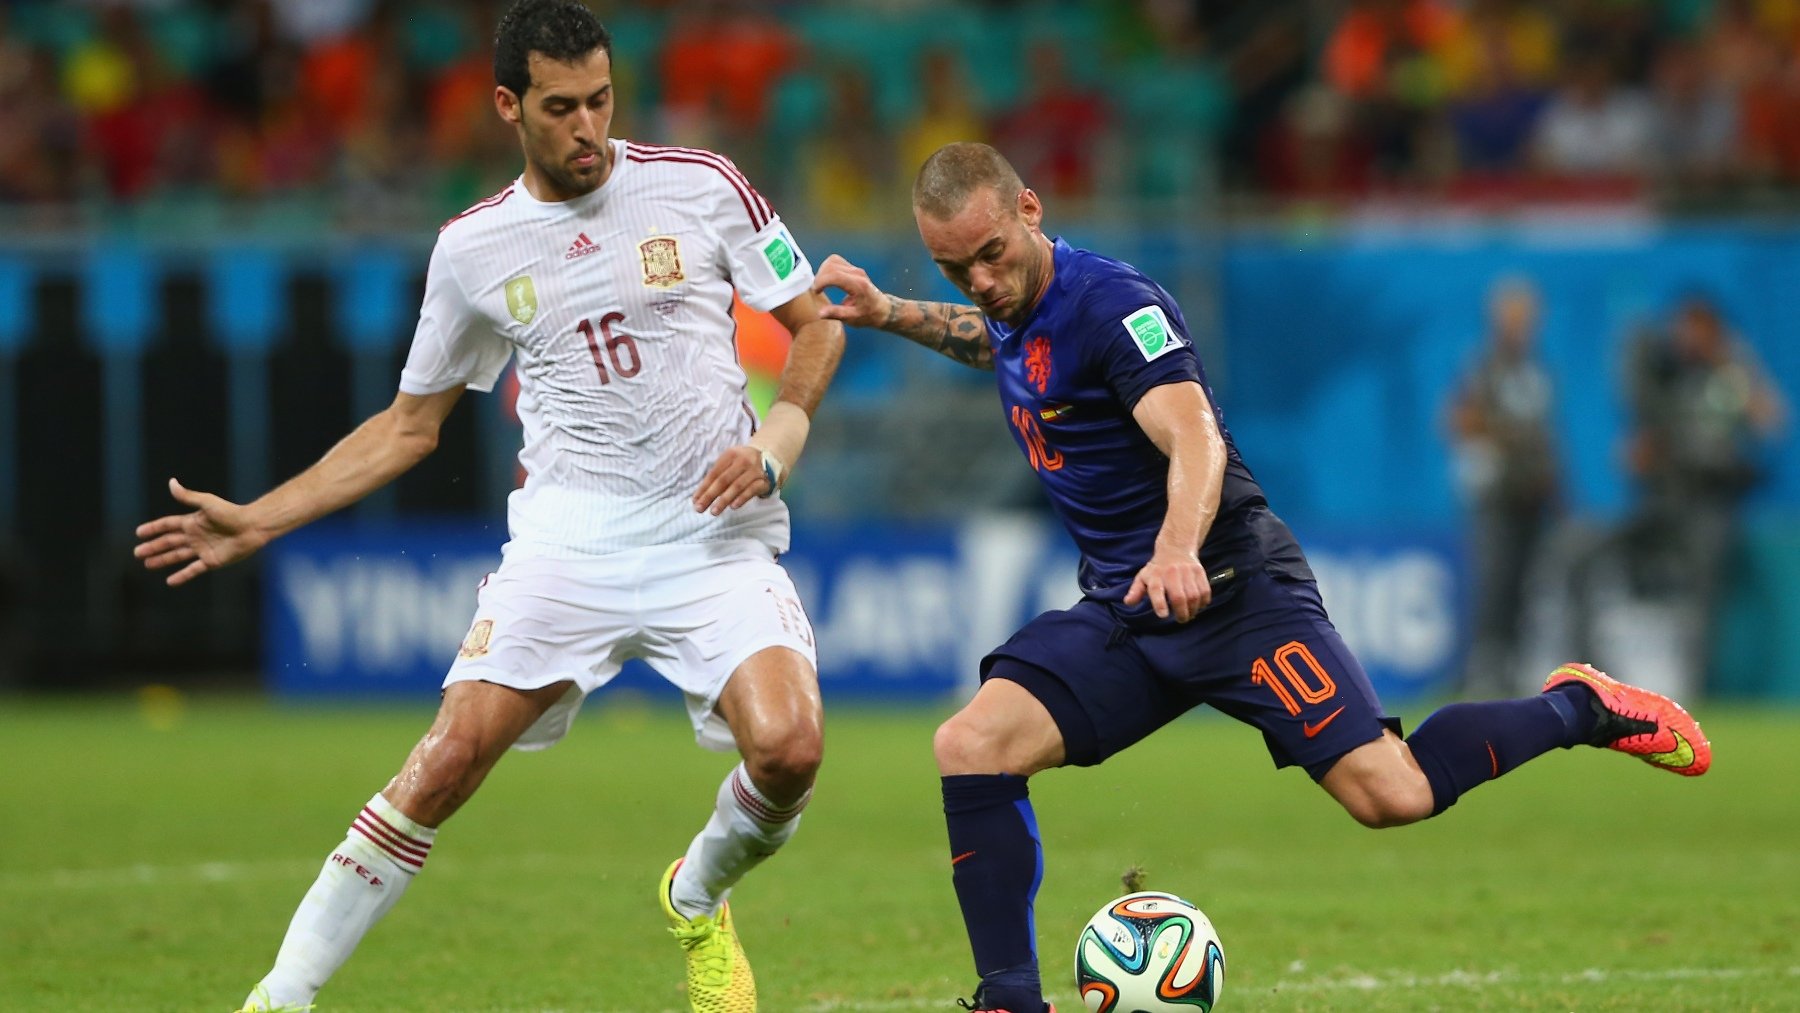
(150, 857)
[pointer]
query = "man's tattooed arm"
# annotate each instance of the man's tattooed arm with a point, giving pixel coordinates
(946, 328)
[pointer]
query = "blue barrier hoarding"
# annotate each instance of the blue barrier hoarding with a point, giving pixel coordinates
(371, 610)
(899, 611)
(1400, 598)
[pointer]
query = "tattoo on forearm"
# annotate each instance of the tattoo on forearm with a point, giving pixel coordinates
(946, 328)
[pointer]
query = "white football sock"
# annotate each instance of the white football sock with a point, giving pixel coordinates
(361, 880)
(745, 829)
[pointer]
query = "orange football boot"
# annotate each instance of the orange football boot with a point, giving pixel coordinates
(1646, 725)
(1048, 1008)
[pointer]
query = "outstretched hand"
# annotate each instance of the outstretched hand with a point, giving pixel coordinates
(864, 304)
(216, 534)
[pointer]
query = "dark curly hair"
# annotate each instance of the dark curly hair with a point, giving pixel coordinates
(563, 30)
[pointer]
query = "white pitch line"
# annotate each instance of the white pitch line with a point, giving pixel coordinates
(227, 872)
(152, 875)
(1474, 980)
(1477, 980)
(144, 874)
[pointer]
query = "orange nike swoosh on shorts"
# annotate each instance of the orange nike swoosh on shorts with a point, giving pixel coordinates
(1311, 729)
(958, 858)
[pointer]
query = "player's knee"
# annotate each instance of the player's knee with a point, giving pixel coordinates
(951, 745)
(791, 764)
(1380, 785)
(1391, 804)
(784, 762)
(962, 746)
(441, 775)
(446, 760)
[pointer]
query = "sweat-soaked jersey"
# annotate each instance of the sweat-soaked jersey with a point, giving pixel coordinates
(617, 305)
(1100, 337)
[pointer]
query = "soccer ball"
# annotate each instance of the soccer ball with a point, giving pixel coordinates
(1149, 953)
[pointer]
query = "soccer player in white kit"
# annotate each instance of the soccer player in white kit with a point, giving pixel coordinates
(647, 525)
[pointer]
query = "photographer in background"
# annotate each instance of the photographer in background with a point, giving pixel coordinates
(1506, 465)
(1702, 408)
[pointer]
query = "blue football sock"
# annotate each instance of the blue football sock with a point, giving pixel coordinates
(996, 865)
(1467, 744)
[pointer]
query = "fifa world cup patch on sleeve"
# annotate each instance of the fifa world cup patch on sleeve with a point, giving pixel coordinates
(781, 256)
(475, 645)
(1149, 327)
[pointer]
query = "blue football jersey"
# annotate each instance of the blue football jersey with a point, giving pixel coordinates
(1070, 374)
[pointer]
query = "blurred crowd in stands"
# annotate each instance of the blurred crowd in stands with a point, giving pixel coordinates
(381, 108)
(1695, 98)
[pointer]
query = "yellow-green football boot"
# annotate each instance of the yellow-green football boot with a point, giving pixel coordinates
(259, 1002)
(718, 973)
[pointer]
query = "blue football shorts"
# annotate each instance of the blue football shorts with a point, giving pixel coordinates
(1264, 652)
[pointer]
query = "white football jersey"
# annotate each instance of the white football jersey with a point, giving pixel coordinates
(618, 306)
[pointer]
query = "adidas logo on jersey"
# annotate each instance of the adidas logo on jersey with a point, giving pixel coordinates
(581, 247)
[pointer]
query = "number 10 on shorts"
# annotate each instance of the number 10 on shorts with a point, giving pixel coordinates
(1300, 671)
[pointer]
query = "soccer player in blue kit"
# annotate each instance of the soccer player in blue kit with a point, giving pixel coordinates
(1107, 399)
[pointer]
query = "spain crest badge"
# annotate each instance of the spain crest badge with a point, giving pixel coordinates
(662, 261)
(475, 645)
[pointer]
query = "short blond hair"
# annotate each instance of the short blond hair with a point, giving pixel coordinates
(955, 171)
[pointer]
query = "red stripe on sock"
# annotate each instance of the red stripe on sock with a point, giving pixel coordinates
(363, 829)
(757, 807)
(387, 840)
(382, 838)
(404, 841)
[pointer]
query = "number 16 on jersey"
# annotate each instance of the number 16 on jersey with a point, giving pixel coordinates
(621, 348)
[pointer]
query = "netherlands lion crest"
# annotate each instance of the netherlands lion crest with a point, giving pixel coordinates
(1037, 363)
(662, 261)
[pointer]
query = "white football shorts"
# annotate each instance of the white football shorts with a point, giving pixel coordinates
(694, 612)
